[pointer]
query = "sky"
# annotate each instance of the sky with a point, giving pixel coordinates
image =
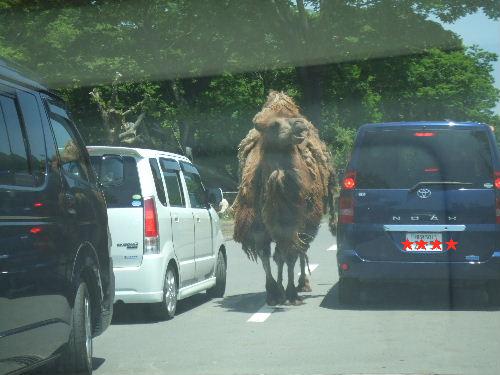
(479, 29)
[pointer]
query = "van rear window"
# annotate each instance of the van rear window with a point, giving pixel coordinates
(399, 159)
(121, 181)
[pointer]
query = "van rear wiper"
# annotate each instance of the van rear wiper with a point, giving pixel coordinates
(438, 183)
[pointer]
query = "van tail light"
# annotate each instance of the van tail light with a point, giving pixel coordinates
(349, 181)
(425, 134)
(346, 209)
(497, 180)
(151, 235)
(497, 196)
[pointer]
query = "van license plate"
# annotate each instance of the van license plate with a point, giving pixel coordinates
(425, 242)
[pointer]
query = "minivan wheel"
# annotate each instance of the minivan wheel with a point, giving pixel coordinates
(218, 290)
(349, 291)
(166, 308)
(77, 358)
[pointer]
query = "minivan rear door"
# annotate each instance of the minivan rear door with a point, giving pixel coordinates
(432, 184)
(121, 186)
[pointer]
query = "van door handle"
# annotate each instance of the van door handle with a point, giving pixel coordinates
(198, 219)
(176, 219)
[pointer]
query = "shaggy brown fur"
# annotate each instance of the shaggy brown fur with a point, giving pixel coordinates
(286, 186)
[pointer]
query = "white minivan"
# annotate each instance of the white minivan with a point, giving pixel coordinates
(167, 241)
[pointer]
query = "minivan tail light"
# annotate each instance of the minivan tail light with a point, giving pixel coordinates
(425, 134)
(349, 182)
(151, 235)
(346, 209)
(497, 180)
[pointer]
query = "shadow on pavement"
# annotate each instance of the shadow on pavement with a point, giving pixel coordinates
(142, 314)
(243, 303)
(250, 303)
(411, 297)
(192, 302)
(50, 369)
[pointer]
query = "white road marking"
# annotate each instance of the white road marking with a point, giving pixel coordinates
(312, 267)
(261, 315)
(266, 311)
(332, 248)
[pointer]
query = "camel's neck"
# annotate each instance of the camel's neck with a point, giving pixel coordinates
(279, 158)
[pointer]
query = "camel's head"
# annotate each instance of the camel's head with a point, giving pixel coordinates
(282, 132)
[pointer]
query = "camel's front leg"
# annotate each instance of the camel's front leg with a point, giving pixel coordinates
(280, 261)
(303, 285)
(291, 291)
(272, 289)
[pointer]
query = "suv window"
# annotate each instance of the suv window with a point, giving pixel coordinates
(72, 160)
(15, 165)
(170, 170)
(399, 159)
(126, 192)
(196, 191)
(36, 140)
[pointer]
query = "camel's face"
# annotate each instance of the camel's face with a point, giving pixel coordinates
(283, 132)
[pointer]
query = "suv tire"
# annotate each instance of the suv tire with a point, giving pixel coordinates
(218, 290)
(77, 358)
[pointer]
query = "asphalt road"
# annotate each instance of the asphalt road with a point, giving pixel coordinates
(394, 330)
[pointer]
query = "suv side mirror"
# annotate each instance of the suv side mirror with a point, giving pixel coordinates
(215, 196)
(111, 171)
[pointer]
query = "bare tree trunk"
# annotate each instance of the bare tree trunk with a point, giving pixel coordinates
(310, 81)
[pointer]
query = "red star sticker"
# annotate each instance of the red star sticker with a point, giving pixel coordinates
(452, 244)
(436, 244)
(407, 244)
(421, 244)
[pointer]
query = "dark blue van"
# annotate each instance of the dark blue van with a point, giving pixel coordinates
(420, 201)
(56, 275)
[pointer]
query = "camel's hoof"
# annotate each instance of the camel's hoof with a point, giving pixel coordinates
(275, 293)
(297, 302)
(303, 285)
(271, 302)
(292, 296)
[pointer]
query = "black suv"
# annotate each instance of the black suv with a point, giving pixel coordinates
(56, 275)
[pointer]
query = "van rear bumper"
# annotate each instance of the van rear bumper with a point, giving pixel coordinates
(363, 269)
(143, 284)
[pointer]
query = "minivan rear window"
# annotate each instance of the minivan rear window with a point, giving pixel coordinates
(402, 158)
(120, 181)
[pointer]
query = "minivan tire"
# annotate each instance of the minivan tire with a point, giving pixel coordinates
(165, 310)
(77, 357)
(218, 290)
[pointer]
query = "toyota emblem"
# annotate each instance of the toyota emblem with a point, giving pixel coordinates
(423, 193)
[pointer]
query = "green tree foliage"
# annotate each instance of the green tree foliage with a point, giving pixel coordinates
(199, 70)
